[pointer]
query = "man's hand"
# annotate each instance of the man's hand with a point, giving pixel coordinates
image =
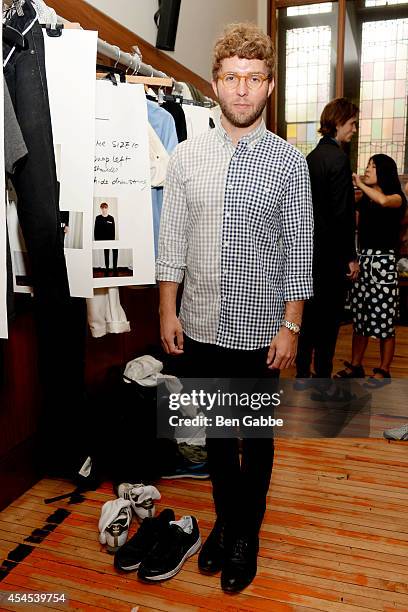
(283, 349)
(171, 334)
(354, 270)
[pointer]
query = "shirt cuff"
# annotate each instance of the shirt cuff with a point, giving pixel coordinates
(167, 273)
(297, 288)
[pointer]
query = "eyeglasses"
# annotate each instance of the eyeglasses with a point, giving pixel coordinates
(254, 81)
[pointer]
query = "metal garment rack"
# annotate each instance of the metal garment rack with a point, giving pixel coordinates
(132, 61)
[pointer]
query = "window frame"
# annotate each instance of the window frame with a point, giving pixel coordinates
(378, 13)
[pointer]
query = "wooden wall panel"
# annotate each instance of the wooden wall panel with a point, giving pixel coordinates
(116, 34)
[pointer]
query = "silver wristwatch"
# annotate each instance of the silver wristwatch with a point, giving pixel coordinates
(293, 327)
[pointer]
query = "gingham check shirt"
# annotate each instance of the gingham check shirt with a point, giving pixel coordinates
(237, 225)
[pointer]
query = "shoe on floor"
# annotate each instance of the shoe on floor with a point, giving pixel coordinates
(240, 565)
(212, 555)
(131, 554)
(356, 371)
(180, 540)
(187, 469)
(397, 433)
(376, 383)
(114, 523)
(141, 497)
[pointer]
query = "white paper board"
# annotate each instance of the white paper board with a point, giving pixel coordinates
(122, 188)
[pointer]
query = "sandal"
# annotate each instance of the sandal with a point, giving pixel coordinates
(377, 383)
(356, 371)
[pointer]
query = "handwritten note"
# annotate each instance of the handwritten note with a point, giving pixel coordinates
(122, 187)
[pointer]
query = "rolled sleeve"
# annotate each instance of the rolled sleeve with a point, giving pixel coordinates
(297, 235)
(171, 260)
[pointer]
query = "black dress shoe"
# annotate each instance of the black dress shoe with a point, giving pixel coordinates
(240, 565)
(212, 555)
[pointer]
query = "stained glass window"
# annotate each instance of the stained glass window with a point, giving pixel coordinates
(383, 91)
(308, 55)
(310, 9)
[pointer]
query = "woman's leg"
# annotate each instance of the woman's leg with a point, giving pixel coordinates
(359, 346)
(387, 349)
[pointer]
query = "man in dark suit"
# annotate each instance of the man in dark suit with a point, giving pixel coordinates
(334, 252)
(105, 230)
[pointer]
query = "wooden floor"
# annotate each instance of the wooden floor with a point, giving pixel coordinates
(335, 535)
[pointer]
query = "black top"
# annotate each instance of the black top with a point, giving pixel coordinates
(104, 228)
(333, 207)
(379, 226)
(175, 109)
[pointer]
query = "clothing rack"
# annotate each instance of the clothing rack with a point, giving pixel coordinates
(179, 98)
(132, 61)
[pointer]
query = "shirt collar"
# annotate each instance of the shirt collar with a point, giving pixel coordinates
(250, 139)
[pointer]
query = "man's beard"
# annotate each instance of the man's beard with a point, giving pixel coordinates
(239, 120)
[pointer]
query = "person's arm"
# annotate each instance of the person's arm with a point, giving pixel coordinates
(171, 332)
(387, 201)
(342, 205)
(171, 260)
(297, 244)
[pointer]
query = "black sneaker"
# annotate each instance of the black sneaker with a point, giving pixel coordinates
(180, 540)
(130, 556)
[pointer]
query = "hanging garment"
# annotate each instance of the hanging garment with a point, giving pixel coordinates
(45, 14)
(159, 159)
(14, 150)
(185, 91)
(105, 313)
(197, 119)
(14, 145)
(163, 124)
(60, 320)
(196, 93)
(176, 111)
(35, 180)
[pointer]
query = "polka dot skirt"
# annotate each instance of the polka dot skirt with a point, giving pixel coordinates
(374, 296)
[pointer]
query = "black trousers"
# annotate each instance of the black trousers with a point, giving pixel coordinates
(60, 319)
(322, 316)
(239, 488)
(114, 258)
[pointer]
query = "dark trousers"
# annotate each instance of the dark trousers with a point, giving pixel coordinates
(60, 320)
(239, 489)
(114, 258)
(322, 316)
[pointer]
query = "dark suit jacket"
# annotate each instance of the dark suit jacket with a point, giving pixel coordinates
(333, 207)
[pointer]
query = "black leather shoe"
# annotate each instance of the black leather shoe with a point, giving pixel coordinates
(240, 565)
(212, 555)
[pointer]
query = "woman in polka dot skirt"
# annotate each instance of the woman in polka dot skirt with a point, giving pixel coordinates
(374, 296)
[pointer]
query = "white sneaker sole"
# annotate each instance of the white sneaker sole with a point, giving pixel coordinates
(195, 547)
(130, 568)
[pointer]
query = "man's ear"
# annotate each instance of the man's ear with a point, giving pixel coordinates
(271, 86)
(215, 87)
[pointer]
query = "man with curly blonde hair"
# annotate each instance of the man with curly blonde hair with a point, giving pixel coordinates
(237, 227)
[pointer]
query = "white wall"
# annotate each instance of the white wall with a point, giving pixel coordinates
(201, 21)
